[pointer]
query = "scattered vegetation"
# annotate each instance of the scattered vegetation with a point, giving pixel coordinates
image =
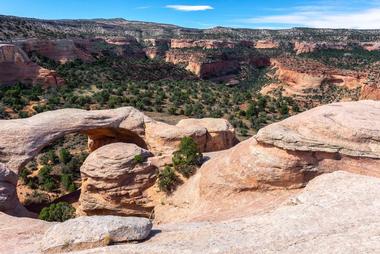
(56, 170)
(60, 212)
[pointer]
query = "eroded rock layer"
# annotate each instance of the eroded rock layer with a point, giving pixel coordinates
(15, 66)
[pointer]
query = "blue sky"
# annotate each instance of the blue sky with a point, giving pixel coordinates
(207, 13)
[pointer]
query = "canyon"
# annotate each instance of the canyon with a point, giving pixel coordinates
(121, 136)
(218, 54)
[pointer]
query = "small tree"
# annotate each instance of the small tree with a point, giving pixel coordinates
(188, 157)
(61, 211)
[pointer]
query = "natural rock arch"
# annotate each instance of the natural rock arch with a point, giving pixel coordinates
(23, 139)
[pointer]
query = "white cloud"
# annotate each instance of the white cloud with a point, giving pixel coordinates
(143, 7)
(190, 7)
(309, 17)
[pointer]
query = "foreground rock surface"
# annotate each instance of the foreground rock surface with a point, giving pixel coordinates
(327, 217)
(114, 183)
(95, 231)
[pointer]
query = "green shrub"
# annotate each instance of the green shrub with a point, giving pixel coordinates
(64, 156)
(187, 158)
(67, 182)
(45, 179)
(167, 179)
(138, 158)
(61, 211)
(24, 175)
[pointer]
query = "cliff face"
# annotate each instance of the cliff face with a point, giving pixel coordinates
(15, 66)
(61, 51)
(205, 44)
(301, 47)
(312, 81)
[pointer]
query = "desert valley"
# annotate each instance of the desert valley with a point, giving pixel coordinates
(122, 136)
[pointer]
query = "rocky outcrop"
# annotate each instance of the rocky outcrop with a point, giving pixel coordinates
(311, 79)
(221, 133)
(301, 47)
(156, 48)
(113, 182)
(197, 63)
(349, 129)
(15, 66)
(60, 50)
(23, 139)
(288, 154)
(267, 44)
(370, 46)
(370, 92)
(90, 232)
(204, 44)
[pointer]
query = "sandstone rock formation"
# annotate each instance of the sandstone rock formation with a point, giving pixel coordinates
(114, 183)
(60, 50)
(335, 213)
(371, 46)
(370, 92)
(15, 66)
(310, 79)
(287, 154)
(266, 44)
(221, 133)
(301, 47)
(94, 231)
(23, 139)
(205, 44)
(198, 63)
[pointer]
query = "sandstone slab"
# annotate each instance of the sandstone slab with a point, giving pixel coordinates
(94, 231)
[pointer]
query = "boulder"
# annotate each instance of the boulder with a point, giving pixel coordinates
(114, 183)
(94, 231)
(221, 134)
(164, 139)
